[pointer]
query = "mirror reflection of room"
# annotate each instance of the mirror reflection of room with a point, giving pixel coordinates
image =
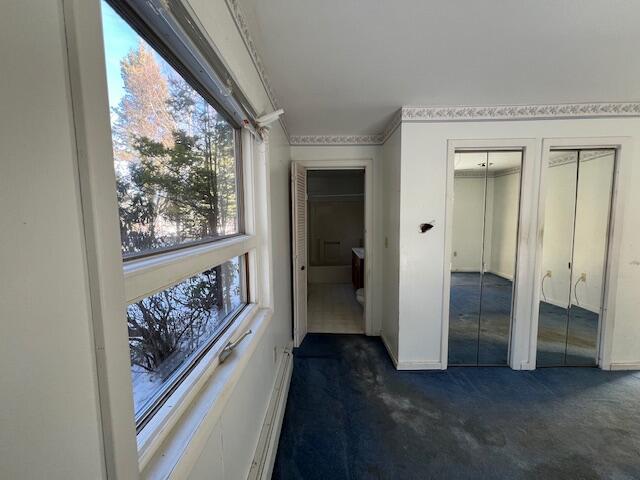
(483, 263)
(336, 299)
(579, 186)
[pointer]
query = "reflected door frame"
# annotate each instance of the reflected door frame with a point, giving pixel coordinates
(519, 341)
(622, 146)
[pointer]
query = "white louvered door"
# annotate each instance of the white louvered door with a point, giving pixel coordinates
(299, 243)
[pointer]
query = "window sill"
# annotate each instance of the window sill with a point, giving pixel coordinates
(175, 436)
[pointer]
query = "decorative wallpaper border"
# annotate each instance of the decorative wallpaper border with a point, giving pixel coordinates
(243, 29)
(336, 139)
(482, 113)
(481, 173)
(395, 122)
(570, 157)
(520, 112)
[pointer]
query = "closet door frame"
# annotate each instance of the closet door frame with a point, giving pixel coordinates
(519, 341)
(622, 146)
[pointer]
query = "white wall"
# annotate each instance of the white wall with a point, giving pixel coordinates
(423, 180)
(358, 153)
(504, 227)
(49, 414)
(49, 418)
(391, 232)
(335, 221)
(468, 220)
(501, 217)
(338, 222)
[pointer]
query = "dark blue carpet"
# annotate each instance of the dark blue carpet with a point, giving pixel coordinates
(480, 324)
(351, 415)
(479, 319)
(566, 337)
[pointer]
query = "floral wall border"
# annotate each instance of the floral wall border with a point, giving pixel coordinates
(479, 113)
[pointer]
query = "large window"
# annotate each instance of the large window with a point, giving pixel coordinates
(175, 155)
(177, 166)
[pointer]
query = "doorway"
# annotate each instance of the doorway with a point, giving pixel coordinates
(332, 246)
(486, 211)
(335, 237)
(574, 255)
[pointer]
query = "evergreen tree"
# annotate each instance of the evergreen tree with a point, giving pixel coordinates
(196, 174)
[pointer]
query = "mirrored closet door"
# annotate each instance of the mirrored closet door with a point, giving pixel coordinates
(579, 186)
(483, 264)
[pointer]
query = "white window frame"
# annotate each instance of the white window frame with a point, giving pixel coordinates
(148, 275)
(114, 284)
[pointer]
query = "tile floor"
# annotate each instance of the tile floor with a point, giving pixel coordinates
(333, 308)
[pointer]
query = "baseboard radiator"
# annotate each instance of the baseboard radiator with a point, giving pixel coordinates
(265, 455)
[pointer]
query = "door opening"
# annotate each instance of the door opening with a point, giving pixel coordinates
(329, 250)
(336, 253)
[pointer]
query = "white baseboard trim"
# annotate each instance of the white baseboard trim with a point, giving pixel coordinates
(411, 365)
(506, 276)
(419, 365)
(526, 366)
(390, 351)
(560, 304)
(265, 454)
(554, 302)
(624, 366)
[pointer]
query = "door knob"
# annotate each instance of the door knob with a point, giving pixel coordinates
(302, 267)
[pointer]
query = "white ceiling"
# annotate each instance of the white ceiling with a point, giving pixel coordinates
(345, 66)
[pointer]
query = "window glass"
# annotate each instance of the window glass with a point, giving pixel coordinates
(174, 154)
(170, 328)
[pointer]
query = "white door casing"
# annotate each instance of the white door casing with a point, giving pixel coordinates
(372, 266)
(520, 336)
(299, 250)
